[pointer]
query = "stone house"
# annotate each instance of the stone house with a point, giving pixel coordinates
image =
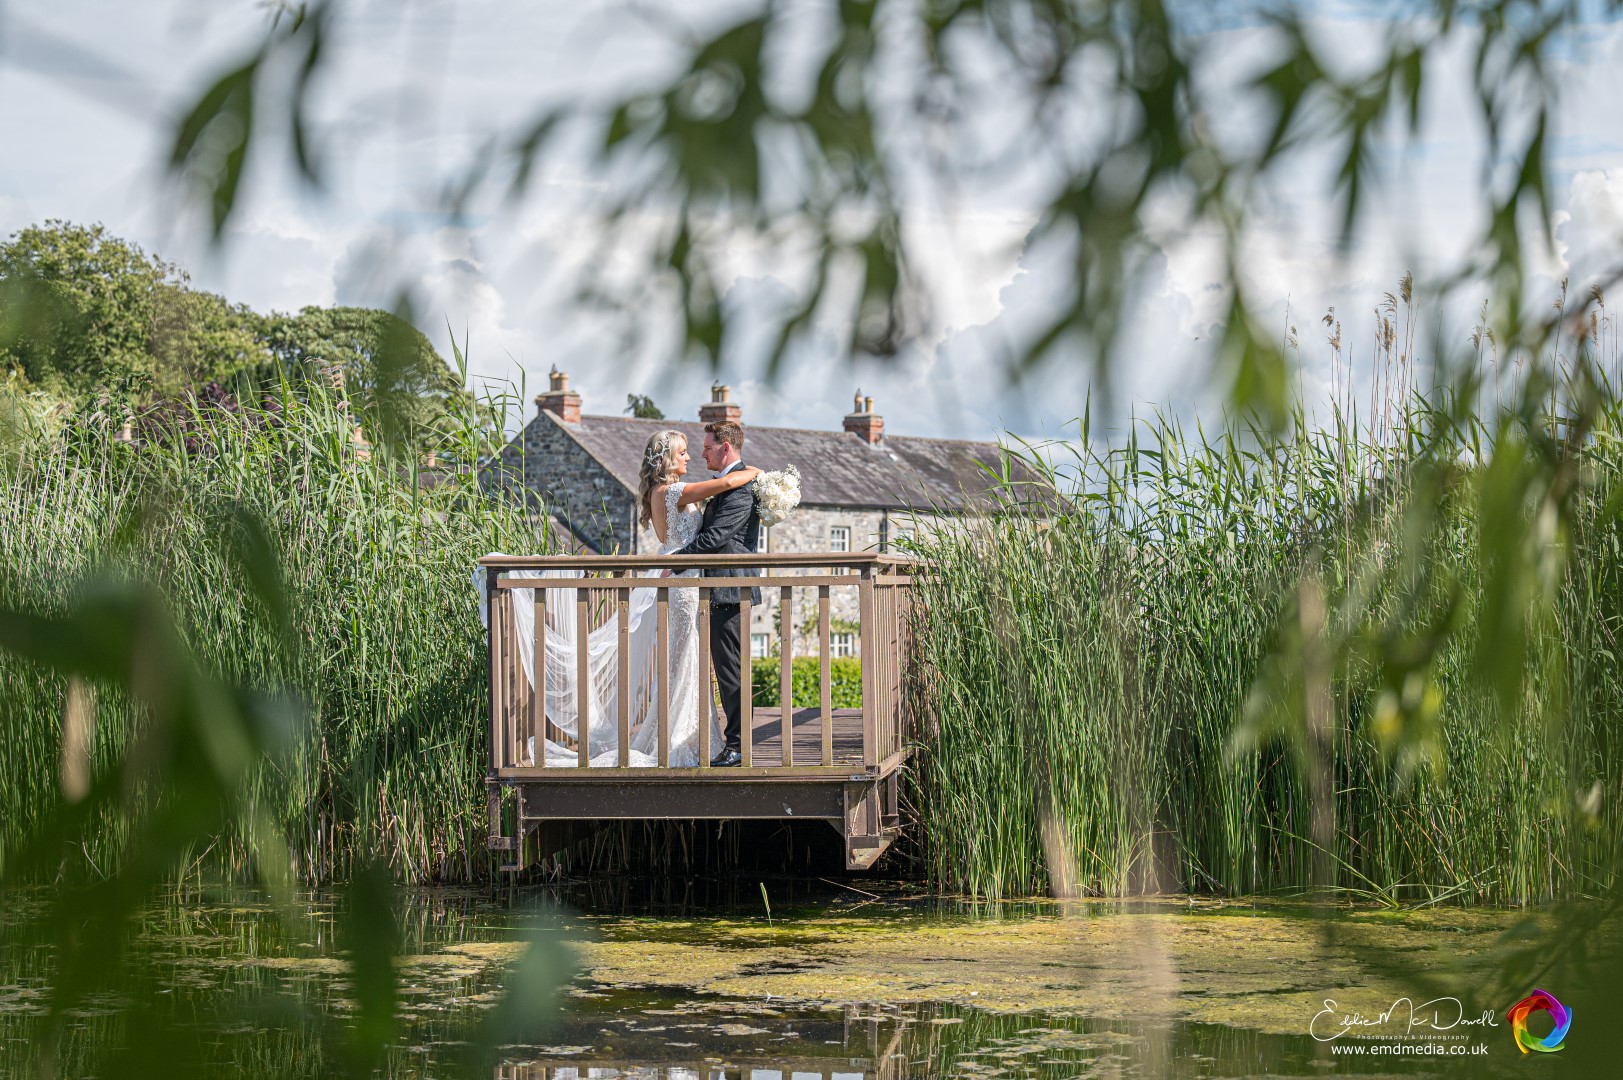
(860, 488)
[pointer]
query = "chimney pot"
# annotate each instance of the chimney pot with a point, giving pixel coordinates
(721, 406)
(863, 422)
(559, 400)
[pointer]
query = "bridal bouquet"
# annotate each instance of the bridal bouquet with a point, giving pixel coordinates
(777, 494)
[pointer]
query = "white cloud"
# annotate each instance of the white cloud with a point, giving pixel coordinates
(1590, 230)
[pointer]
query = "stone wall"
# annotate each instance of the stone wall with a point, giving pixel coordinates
(553, 474)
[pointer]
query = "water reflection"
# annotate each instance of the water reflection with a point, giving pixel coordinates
(237, 991)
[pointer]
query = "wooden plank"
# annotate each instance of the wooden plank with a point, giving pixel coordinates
(786, 674)
(616, 775)
(538, 703)
(493, 658)
(622, 681)
(707, 694)
(770, 560)
(882, 598)
(825, 673)
(865, 608)
(583, 679)
(662, 672)
(746, 684)
(612, 584)
(508, 665)
(890, 673)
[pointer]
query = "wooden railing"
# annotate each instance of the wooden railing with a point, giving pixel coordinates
(774, 741)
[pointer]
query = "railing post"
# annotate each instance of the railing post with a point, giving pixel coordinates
(825, 675)
(870, 644)
(492, 654)
(583, 676)
(746, 679)
(786, 676)
(538, 665)
(707, 694)
(622, 679)
(662, 672)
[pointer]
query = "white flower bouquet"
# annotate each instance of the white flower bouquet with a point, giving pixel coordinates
(777, 494)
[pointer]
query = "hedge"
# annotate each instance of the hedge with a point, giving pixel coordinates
(845, 673)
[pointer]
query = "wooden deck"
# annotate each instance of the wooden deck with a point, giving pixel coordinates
(766, 752)
(807, 728)
(842, 765)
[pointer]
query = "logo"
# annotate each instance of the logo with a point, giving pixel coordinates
(1539, 1001)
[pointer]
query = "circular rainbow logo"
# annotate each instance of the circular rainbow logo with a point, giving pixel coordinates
(1539, 1000)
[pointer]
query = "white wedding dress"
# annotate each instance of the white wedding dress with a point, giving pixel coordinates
(603, 662)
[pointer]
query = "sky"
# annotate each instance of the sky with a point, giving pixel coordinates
(411, 91)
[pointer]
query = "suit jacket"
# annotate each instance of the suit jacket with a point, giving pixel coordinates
(731, 526)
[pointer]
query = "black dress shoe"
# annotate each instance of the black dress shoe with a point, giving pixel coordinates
(727, 759)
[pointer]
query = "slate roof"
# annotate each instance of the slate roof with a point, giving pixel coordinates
(836, 467)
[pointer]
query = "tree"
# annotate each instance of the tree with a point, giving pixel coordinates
(643, 408)
(84, 313)
(402, 388)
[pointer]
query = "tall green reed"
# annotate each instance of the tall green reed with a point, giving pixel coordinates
(1105, 683)
(379, 648)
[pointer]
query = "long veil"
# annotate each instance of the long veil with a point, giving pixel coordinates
(603, 667)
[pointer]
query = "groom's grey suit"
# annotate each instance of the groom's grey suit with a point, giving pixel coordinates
(731, 526)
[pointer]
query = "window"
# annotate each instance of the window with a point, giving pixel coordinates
(842, 644)
(839, 538)
(760, 540)
(761, 645)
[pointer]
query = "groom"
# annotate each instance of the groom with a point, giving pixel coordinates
(731, 526)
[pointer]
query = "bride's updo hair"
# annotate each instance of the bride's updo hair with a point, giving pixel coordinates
(658, 467)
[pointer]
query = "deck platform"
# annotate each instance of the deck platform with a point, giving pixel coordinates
(843, 765)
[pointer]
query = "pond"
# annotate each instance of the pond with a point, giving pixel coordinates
(830, 980)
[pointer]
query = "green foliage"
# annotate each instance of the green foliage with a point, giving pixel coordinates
(85, 313)
(643, 408)
(85, 316)
(400, 385)
(806, 682)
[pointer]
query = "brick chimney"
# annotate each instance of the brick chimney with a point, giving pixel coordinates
(721, 406)
(559, 400)
(863, 422)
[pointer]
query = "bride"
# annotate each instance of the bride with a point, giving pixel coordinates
(672, 506)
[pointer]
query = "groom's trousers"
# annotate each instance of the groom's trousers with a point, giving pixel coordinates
(724, 635)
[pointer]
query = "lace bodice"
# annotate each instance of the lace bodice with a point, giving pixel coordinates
(681, 525)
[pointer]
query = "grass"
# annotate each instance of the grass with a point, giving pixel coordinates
(1122, 699)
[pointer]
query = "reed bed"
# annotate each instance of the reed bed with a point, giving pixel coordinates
(1086, 676)
(379, 656)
